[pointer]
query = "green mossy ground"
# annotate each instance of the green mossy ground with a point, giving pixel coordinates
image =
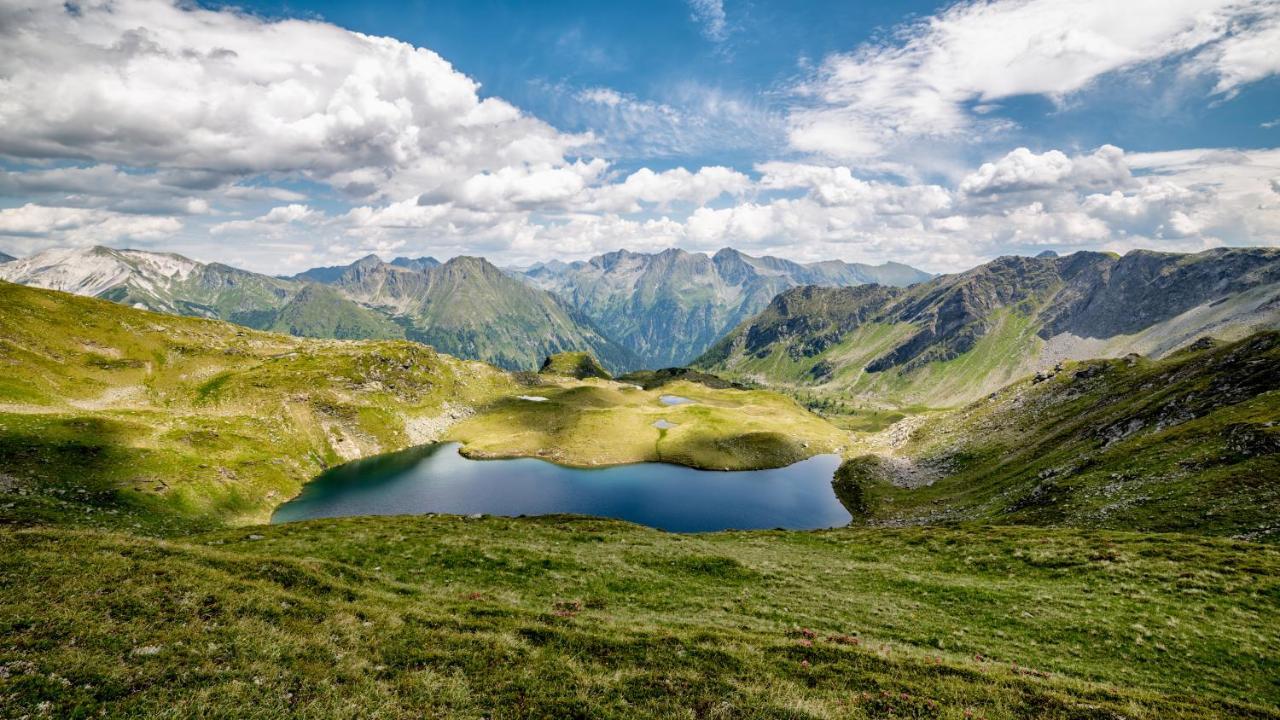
(1189, 443)
(580, 365)
(559, 617)
(608, 423)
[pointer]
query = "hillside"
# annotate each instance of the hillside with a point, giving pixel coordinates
(580, 365)
(163, 282)
(1187, 443)
(469, 308)
(466, 307)
(958, 337)
(123, 416)
(323, 312)
(668, 307)
(6, 257)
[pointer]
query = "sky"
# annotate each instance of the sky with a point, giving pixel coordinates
(278, 136)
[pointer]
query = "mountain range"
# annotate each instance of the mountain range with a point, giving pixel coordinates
(669, 307)
(889, 334)
(465, 307)
(630, 310)
(957, 337)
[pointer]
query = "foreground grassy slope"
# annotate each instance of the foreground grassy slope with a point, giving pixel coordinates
(113, 416)
(588, 423)
(577, 618)
(1190, 443)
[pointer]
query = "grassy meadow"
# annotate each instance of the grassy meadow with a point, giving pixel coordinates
(565, 617)
(140, 453)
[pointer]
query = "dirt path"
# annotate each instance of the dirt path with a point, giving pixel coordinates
(902, 471)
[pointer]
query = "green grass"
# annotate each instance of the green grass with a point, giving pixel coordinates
(124, 418)
(563, 617)
(605, 423)
(580, 365)
(1187, 443)
(125, 425)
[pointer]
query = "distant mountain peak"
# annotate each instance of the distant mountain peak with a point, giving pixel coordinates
(418, 263)
(671, 305)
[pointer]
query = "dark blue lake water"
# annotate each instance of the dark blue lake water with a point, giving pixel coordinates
(435, 478)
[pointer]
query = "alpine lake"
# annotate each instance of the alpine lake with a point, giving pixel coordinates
(437, 479)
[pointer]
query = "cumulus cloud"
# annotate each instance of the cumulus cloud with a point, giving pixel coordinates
(1022, 170)
(941, 77)
(297, 142)
(153, 84)
(29, 228)
(646, 187)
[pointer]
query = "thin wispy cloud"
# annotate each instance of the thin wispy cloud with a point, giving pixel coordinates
(711, 16)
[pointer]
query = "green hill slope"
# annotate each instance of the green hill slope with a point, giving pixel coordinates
(111, 416)
(1189, 443)
(320, 311)
(955, 338)
(580, 365)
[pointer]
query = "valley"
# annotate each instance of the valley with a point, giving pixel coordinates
(1031, 534)
(129, 417)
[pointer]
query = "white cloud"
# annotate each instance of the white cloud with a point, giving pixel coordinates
(29, 228)
(1022, 170)
(941, 77)
(146, 121)
(1249, 53)
(645, 186)
(152, 84)
(710, 14)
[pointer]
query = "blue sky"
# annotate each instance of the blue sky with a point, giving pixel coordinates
(279, 135)
(658, 51)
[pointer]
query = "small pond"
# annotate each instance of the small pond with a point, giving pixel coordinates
(435, 478)
(673, 400)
